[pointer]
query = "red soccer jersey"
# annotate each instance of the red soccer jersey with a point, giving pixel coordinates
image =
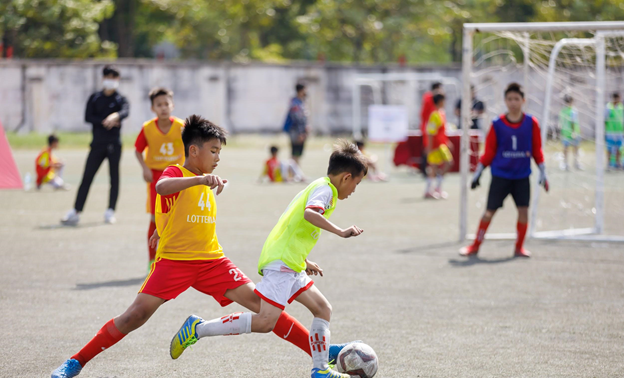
(270, 168)
(428, 107)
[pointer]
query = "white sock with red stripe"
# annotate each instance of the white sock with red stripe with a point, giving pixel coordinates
(319, 343)
(234, 324)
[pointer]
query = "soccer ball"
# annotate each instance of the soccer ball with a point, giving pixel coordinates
(357, 360)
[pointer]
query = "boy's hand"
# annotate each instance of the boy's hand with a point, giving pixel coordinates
(147, 175)
(351, 231)
(153, 240)
(543, 180)
(477, 176)
(313, 268)
(213, 181)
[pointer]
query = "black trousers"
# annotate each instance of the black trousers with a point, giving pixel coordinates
(96, 157)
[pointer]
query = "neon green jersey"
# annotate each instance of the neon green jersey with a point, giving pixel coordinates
(568, 120)
(614, 122)
(293, 237)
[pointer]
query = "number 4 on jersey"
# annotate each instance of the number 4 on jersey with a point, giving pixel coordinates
(203, 204)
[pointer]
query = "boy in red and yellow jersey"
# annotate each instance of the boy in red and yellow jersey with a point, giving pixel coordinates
(162, 137)
(189, 253)
(49, 169)
(439, 157)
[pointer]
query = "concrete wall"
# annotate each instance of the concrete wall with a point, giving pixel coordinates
(44, 96)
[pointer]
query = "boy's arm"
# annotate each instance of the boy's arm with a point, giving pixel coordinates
(490, 148)
(170, 185)
(140, 144)
(147, 173)
(317, 219)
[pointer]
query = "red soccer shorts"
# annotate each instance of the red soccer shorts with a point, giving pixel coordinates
(151, 191)
(169, 278)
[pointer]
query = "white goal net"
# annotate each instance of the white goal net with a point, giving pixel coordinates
(569, 72)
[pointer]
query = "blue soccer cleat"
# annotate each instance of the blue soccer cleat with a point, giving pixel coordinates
(185, 337)
(69, 369)
(334, 350)
(327, 373)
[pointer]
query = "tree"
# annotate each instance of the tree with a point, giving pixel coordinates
(55, 28)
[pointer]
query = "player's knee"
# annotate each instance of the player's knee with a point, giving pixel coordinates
(263, 324)
(136, 317)
(324, 311)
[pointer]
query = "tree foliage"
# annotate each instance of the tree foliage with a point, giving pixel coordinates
(55, 28)
(419, 31)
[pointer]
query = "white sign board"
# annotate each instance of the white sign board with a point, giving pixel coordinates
(387, 123)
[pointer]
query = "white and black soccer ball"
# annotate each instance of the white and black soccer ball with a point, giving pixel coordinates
(357, 360)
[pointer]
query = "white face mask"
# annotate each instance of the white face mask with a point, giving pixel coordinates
(110, 84)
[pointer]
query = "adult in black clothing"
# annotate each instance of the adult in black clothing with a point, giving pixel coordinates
(105, 111)
(477, 110)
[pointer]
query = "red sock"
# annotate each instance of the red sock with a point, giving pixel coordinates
(522, 229)
(150, 232)
(106, 337)
(483, 226)
(289, 329)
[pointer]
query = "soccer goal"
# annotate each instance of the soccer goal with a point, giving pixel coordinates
(555, 62)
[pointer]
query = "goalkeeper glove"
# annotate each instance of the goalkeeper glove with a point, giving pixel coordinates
(477, 176)
(543, 180)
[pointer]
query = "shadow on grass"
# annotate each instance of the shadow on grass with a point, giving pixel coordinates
(117, 283)
(79, 225)
(428, 247)
(475, 260)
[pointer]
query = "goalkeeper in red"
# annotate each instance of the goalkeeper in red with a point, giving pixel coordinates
(511, 142)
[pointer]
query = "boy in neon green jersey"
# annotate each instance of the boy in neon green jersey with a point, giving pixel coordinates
(570, 131)
(284, 262)
(614, 129)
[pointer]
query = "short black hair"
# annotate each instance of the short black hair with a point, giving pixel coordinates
(110, 70)
(299, 87)
(437, 98)
(274, 150)
(514, 87)
(435, 85)
(159, 91)
(52, 138)
(616, 95)
(567, 99)
(198, 130)
(347, 158)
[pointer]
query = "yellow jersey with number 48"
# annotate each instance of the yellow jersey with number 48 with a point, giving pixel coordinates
(186, 221)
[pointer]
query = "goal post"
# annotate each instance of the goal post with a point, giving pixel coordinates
(539, 46)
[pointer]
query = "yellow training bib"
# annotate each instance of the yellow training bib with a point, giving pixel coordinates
(186, 223)
(163, 150)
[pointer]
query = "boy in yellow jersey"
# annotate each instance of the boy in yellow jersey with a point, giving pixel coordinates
(439, 156)
(284, 262)
(189, 253)
(162, 137)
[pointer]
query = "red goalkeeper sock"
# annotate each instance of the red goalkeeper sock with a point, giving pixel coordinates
(483, 226)
(150, 232)
(289, 329)
(522, 229)
(106, 337)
